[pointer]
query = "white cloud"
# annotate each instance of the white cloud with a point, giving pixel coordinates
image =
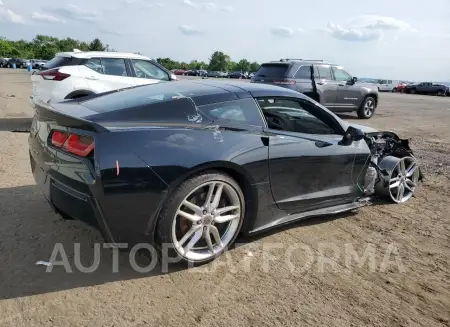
(46, 18)
(9, 15)
(284, 31)
(189, 3)
(1, 3)
(189, 30)
(142, 3)
(73, 12)
(380, 23)
(210, 6)
(353, 34)
(227, 8)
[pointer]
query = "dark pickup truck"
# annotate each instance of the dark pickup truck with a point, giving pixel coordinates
(427, 88)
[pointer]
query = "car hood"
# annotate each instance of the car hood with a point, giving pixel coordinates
(365, 129)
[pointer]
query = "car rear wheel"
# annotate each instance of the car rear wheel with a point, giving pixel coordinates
(367, 108)
(201, 219)
(394, 89)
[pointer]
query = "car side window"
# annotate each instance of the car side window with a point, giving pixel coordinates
(341, 75)
(108, 66)
(304, 72)
(95, 64)
(114, 66)
(324, 72)
(298, 116)
(389, 82)
(243, 111)
(145, 69)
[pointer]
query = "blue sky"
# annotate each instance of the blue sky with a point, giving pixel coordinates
(397, 39)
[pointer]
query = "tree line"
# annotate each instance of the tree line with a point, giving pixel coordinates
(45, 47)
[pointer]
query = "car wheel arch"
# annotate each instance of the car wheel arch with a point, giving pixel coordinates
(229, 168)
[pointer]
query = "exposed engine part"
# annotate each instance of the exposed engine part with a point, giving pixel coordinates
(393, 172)
(371, 177)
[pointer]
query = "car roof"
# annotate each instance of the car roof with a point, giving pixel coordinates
(300, 62)
(101, 54)
(202, 92)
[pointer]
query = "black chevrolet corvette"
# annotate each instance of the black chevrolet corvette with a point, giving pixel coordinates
(193, 163)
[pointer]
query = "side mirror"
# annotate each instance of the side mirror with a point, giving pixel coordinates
(351, 135)
(353, 80)
(173, 77)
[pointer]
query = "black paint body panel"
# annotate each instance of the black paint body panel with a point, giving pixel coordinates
(139, 160)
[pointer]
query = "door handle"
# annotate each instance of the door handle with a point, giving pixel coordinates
(92, 78)
(319, 83)
(341, 84)
(322, 144)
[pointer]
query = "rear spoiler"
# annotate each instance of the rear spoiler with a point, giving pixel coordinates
(45, 110)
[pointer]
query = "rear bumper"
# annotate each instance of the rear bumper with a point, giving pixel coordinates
(68, 201)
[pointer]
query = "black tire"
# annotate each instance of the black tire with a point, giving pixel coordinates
(169, 209)
(440, 93)
(363, 112)
(413, 91)
(394, 90)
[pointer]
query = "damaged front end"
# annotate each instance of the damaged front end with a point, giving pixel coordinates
(394, 171)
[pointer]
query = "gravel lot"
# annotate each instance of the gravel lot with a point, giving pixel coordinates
(413, 290)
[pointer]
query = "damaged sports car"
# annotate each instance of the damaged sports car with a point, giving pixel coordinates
(192, 164)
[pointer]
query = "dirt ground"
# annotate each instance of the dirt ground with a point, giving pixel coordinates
(247, 287)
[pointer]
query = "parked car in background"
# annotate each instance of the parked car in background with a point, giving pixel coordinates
(20, 63)
(401, 87)
(202, 73)
(3, 62)
(427, 88)
(71, 75)
(387, 85)
(237, 74)
(251, 74)
(213, 73)
(191, 72)
(178, 71)
(327, 83)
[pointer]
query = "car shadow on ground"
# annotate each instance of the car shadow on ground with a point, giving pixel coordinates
(15, 124)
(30, 230)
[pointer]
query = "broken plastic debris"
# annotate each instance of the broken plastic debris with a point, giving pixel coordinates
(43, 263)
(195, 118)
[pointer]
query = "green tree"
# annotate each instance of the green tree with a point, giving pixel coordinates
(96, 45)
(232, 66)
(219, 61)
(243, 65)
(254, 66)
(194, 64)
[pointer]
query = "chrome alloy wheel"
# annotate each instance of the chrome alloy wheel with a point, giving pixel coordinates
(369, 108)
(206, 221)
(403, 177)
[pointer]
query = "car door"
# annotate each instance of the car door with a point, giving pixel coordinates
(308, 167)
(148, 73)
(106, 74)
(326, 86)
(349, 95)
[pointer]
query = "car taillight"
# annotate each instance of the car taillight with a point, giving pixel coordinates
(80, 145)
(53, 75)
(286, 82)
(59, 138)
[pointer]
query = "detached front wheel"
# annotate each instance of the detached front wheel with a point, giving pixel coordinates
(367, 108)
(201, 219)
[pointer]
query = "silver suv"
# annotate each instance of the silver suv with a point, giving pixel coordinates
(324, 82)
